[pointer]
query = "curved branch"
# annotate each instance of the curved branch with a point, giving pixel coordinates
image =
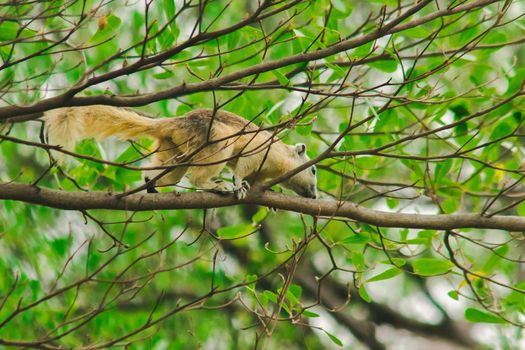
(193, 200)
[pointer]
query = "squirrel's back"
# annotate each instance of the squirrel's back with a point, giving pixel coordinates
(203, 117)
(67, 126)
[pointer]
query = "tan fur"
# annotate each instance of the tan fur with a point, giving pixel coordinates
(250, 153)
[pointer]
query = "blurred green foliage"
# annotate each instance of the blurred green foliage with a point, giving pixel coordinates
(457, 170)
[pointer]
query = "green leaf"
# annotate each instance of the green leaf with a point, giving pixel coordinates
(304, 130)
(170, 36)
(442, 169)
(293, 294)
(356, 239)
(364, 294)
(479, 316)
(334, 339)
(520, 209)
(232, 40)
(183, 109)
(390, 273)
(169, 9)
(127, 176)
(309, 314)
(363, 50)
(517, 116)
(260, 215)
(128, 155)
(358, 259)
(34, 285)
(388, 66)
(339, 72)
(60, 245)
(270, 296)
(392, 202)
(423, 237)
(500, 130)
(164, 75)
(283, 80)
(236, 231)
(250, 282)
(251, 278)
(102, 34)
(395, 261)
(296, 290)
(10, 30)
(91, 148)
(453, 294)
(459, 111)
(450, 205)
(515, 299)
(431, 266)
(496, 257)
(417, 32)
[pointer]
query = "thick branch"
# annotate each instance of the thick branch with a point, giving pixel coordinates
(194, 200)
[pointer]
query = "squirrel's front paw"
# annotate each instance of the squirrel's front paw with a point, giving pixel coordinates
(240, 193)
(223, 187)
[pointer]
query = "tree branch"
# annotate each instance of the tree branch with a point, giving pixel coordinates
(332, 208)
(211, 84)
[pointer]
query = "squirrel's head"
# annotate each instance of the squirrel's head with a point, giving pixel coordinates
(305, 182)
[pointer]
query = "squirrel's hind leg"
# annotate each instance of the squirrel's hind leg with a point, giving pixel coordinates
(169, 179)
(165, 156)
(150, 186)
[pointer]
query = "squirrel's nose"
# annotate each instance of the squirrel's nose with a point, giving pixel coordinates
(313, 192)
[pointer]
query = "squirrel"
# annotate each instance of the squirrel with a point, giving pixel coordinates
(205, 140)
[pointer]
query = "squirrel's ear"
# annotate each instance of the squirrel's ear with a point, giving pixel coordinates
(300, 148)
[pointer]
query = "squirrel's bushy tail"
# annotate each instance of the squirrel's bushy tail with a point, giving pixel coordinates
(67, 126)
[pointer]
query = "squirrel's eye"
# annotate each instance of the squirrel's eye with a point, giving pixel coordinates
(314, 170)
